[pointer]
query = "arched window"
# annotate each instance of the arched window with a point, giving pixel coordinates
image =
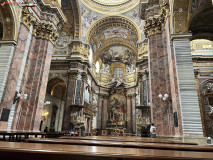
(97, 66)
(118, 72)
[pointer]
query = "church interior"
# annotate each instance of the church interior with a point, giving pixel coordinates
(86, 79)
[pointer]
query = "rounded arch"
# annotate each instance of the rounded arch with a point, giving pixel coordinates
(113, 21)
(56, 87)
(205, 82)
(9, 22)
(200, 24)
(71, 9)
(113, 42)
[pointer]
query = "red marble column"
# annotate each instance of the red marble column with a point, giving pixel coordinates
(99, 112)
(160, 84)
(105, 113)
(34, 84)
(42, 87)
(128, 114)
(27, 87)
(10, 87)
(70, 99)
(133, 115)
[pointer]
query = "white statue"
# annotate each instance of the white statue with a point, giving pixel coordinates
(95, 98)
(211, 109)
(105, 69)
(130, 69)
(118, 81)
(62, 40)
(138, 100)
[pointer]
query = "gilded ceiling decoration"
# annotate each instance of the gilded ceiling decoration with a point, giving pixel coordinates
(111, 7)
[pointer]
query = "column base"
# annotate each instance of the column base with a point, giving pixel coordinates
(195, 139)
(186, 139)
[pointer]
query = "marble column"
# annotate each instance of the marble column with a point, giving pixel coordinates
(190, 111)
(99, 118)
(105, 113)
(128, 116)
(13, 75)
(159, 83)
(70, 99)
(28, 113)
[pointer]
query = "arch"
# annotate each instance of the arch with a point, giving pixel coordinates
(112, 21)
(10, 22)
(53, 83)
(72, 11)
(200, 24)
(113, 42)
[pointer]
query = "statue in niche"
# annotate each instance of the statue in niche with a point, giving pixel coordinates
(138, 100)
(211, 109)
(130, 69)
(210, 86)
(62, 40)
(95, 97)
(105, 69)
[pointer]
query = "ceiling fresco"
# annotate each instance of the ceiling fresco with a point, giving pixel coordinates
(88, 17)
(118, 54)
(134, 15)
(100, 38)
(116, 32)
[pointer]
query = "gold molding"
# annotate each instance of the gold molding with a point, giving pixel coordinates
(156, 24)
(40, 30)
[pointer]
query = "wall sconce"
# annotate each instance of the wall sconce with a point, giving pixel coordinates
(165, 97)
(19, 95)
(44, 115)
(46, 102)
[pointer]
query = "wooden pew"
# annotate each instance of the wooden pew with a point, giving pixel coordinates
(127, 139)
(180, 147)
(29, 151)
(17, 136)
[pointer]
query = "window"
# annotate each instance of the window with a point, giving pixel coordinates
(118, 72)
(97, 66)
